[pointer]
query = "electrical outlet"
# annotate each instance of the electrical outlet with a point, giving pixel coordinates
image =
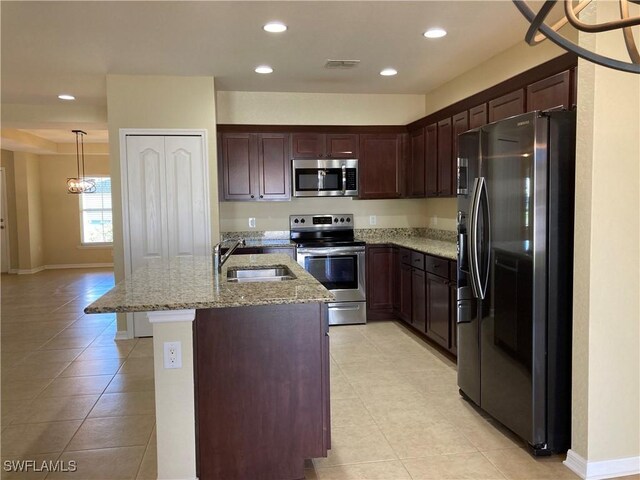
(252, 222)
(373, 220)
(172, 355)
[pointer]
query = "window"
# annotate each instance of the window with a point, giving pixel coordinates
(96, 224)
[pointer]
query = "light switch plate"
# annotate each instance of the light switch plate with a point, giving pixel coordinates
(252, 222)
(373, 220)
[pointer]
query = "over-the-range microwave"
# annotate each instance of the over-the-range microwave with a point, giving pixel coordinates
(325, 178)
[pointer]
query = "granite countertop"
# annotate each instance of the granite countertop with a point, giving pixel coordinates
(190, 283)
(441, 248)
(268, 242)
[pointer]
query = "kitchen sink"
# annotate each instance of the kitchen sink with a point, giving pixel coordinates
(266, 274)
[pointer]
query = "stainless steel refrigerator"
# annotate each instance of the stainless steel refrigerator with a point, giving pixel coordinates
(515, 190)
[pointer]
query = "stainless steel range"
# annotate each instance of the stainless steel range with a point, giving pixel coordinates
(327, 250)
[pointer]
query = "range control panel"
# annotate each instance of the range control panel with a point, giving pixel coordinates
(320, 222)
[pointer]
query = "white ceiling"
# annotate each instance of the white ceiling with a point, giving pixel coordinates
(57, 135)
(68, 47)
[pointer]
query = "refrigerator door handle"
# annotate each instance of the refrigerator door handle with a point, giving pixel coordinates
(473, 244)
(483, 197)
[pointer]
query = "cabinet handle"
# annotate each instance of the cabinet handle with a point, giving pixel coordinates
(321, 155)
(328, 155)
(252, 196)
(261, 196)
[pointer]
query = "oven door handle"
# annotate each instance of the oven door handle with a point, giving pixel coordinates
(330, 251)
(350, 308)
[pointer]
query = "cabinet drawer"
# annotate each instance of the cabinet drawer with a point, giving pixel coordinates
(417, 260)
(437, 266)
(405, 256)
(453, 270)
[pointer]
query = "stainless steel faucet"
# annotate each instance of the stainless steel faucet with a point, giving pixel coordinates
(219, 259)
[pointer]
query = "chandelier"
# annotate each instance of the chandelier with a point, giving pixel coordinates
(538, 31)
(80, 184)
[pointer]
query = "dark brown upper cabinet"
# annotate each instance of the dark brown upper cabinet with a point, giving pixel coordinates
(478, 116)
(460, 125)
(431, 160)
(380, 165)
(506, 106)
(321, 145)
(255, 166)
(552, 92)
(415, 173)
(445, 155)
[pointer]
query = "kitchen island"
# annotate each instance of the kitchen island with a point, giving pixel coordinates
(251, 399)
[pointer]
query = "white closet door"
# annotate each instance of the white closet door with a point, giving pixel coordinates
(187, 197)
(166, 201)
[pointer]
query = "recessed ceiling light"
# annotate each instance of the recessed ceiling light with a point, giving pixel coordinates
(388, 72)
(264, 69)
(275, 27)
(66, 96)
(435, 33)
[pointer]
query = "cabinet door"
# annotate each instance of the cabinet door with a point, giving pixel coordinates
(453, 323)
(274, 166)
(438, 309)
(506, 106)
(239, 166)
(405, 292)
(380, 284)
(431, 160)
(551, 92)
(445, 162)
(415, 171)
(395, 284)
(379, 166)
(418, 300)
(307, 145)
(460, 125)
(478, 116)
(342, 146)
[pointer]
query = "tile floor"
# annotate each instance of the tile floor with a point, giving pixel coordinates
(70, 392)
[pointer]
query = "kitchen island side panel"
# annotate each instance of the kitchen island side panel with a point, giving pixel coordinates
(261, 390)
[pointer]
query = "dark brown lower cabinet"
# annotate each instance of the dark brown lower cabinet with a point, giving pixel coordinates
(405, 293)
(438, 316)
(262, 390)
(418, 300)
(380, 281)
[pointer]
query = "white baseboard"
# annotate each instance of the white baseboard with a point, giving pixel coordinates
(78, 265)
(122, 335)
(29, 271)
(597, 470)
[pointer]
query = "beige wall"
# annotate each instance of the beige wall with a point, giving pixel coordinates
(60, 211)
(606, 345)
(7, 163)
(275, 215)
(136, 101)
(28, 212)
(289, 108)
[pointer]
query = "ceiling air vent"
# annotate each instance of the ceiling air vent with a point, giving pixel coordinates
(341, 63)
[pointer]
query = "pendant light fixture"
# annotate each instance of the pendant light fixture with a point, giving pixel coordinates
(80, 184)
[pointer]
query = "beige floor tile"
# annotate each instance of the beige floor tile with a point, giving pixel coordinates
(349, 411)
(56, 409)
(149, 466)
(487, 434)
(35, 370)
(393, 470)
(12, 409)
(359, 371)
(393, 410)
(426, 439)
(137, 366)
(350, 353)
(518, 464)
(131, 383)
(104, 464)
(113, 432)
(340, 388)
(470, 466)
(122, 404)
(105, 366)
(356, 444)
(112, 351)
(22, 388)
(143, 348)
(46, 356)
(19, 346)
(37, 437)
(59, 342)
(71, 386)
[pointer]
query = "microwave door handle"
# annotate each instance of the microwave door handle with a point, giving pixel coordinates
(344, 179)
